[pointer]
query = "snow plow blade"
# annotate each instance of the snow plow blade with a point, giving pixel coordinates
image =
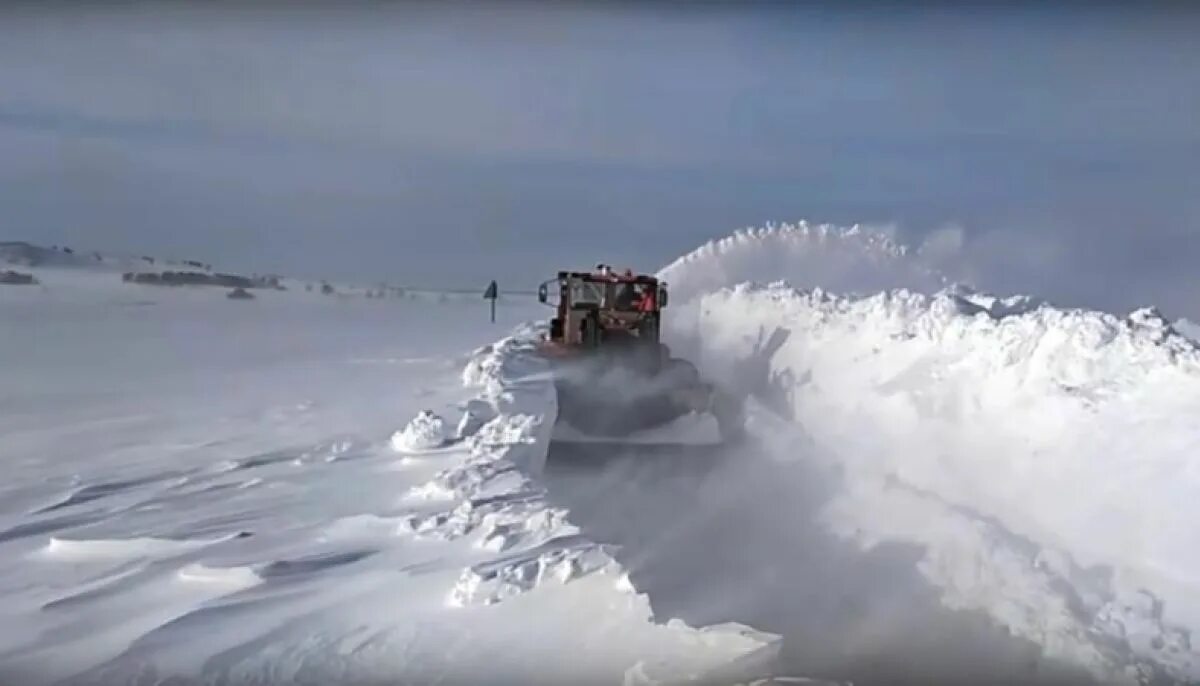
(605, 402)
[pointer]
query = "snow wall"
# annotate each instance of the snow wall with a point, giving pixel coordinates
(1044, 460)
(594, 627)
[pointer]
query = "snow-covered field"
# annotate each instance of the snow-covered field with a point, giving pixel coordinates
(938, 486)
(204, 489)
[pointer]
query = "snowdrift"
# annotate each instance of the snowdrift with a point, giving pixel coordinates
(1043, 459)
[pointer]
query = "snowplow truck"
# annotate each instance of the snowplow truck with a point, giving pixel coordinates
(613, 375)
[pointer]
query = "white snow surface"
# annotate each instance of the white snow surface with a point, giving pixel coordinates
(206, 491)
(200, 490)
(1042, 460)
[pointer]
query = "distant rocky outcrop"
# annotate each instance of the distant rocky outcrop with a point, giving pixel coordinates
(134, 268)
(29, 255)
(191, 278)
(11, 278)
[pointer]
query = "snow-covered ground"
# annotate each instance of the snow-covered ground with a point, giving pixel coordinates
(210, 490)
(939, 486)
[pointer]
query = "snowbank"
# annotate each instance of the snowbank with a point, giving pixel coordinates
(495, 499)
(1043, 458)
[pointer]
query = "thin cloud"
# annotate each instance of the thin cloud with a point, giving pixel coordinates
(370, 141)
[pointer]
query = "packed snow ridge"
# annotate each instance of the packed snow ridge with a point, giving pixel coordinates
(1043, 459)
(493, 495)
(495, 499)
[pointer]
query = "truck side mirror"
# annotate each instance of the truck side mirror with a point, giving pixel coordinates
(662, 297)
(543, 293)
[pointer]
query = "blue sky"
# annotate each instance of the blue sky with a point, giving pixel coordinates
(452, 143)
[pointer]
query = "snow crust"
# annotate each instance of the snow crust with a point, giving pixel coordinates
(1042, 459)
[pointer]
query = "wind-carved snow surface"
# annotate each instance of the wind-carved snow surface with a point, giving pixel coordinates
(200, 515)
(1044, 460)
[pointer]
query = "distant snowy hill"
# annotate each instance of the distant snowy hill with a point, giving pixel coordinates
(53, 266)
(22, 254)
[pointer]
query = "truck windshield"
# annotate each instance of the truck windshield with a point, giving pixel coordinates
(587, 293)
(629, 296)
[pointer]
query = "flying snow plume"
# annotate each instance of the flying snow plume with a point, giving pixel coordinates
(839, 259)
(854, 259)
(1041, 460)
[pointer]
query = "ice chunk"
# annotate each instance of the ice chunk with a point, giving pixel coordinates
(558, 561)
(426, 431)
(476, 413)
